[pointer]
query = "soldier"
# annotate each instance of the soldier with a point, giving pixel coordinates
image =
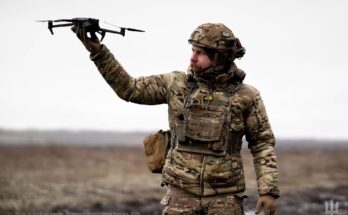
(210, 109)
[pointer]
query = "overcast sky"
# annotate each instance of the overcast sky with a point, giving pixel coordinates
(296, 56)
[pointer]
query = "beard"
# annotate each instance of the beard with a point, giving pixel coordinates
(200, 72)
(196, 68)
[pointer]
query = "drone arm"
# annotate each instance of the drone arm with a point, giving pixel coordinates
(102, 34)
(51, 26)
(122, 32)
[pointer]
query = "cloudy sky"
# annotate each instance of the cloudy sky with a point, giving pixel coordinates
(296, 56)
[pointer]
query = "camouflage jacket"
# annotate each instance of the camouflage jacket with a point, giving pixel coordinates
(200, 173)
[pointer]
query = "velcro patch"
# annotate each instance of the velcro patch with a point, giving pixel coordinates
(225, 34)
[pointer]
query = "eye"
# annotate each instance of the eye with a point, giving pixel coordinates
(199, 52)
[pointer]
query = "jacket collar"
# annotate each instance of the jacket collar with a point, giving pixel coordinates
(220, 81)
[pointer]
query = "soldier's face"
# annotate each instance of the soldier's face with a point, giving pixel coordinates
(199, 59)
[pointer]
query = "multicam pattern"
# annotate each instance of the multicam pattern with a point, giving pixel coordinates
(203, 174)
(212, 35)
(178, 202)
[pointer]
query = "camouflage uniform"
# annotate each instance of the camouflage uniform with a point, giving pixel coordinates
(204, 164)
(187, 203)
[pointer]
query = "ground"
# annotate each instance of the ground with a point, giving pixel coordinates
(66, 178)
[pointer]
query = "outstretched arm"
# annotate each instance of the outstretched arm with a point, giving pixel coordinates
(143, 90)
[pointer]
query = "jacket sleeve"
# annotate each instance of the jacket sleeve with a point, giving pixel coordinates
(261, 142)
(149, 90)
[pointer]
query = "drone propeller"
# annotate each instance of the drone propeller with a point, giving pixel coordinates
(128, 29)
(44, 20)
(133, 29)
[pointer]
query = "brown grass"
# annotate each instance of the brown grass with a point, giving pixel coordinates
(44, 178)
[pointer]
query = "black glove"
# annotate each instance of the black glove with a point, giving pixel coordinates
(92, 43)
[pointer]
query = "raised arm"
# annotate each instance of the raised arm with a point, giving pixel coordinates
(143, 90)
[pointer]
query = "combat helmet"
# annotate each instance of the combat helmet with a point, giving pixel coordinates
(218, 37)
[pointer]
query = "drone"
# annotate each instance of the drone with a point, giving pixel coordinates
(90, 24)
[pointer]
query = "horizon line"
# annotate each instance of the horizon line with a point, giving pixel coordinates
(81, 130)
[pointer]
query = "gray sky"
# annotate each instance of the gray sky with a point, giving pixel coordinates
(296, 56)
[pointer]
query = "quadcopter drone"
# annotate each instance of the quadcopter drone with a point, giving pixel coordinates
(90, 24)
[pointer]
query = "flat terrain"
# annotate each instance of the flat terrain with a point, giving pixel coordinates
(116, 179)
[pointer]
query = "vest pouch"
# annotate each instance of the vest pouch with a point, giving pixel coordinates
(156, 147)
(204, 122)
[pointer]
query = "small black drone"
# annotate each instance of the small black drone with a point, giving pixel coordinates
(90, 24)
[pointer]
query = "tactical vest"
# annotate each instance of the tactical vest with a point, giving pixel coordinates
(205, 123)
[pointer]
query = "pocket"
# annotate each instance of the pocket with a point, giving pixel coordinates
(183, 175)
(156, 147)
(204, 123)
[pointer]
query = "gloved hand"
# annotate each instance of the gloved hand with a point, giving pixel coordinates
(92, 43)
(267, 202)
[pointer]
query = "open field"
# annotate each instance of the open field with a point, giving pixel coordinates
(115, 179)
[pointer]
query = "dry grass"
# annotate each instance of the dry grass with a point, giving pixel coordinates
(46, 178)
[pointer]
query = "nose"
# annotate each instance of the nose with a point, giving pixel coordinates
(193, 57)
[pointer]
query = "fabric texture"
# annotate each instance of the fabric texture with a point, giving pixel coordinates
(200, 172)
(178, 202)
